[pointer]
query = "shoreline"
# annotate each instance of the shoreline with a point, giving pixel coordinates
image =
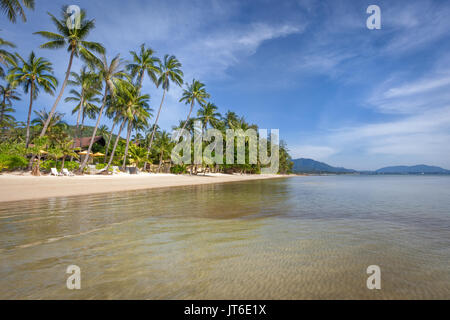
(15, 187)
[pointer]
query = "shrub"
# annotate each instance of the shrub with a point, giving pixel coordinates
(100, 166)
(71, 165)
(12, 162)
(178, 169)
(48, 164)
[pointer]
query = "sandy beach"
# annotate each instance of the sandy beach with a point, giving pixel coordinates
(26, 187)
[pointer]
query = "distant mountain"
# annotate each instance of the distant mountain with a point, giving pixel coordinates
(303, 165)
(311, 166)
(419, 169)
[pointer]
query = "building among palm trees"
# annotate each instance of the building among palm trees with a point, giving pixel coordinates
(85, 141)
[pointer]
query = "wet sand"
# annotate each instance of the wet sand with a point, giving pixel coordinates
(27, 187)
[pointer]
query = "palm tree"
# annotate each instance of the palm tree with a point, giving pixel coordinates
(6, 57)
(67, 150)
(143, 62)
(112, 113)
(139, 125)
(169, 71)
(230, 118)
(189, 125)
(77, 46)
(8, 119)
(137, 112)
(13, 8)
(8, 94)
(138, 154)
(110, 73)
(85, 105)
(129, 102)
(120, 117)
(208, 115)
(39, 143)
(55, 153)
(103, 130)
(87, 81)
(163, 146)
(194, 92)
(34, 74)
(42, 117)
(149, 131)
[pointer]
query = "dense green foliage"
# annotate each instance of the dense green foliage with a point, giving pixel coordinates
(12, 156)
(102, 90)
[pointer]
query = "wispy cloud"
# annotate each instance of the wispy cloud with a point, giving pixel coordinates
(210, 55)
(414, 25)
(421, 86)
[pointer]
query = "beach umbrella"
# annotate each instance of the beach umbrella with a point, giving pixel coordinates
(83, 153)
(43, 152)
(98, 154)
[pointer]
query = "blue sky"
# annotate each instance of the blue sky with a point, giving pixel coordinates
(338, 92)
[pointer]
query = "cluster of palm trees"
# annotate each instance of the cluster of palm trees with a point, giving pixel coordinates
(102, 88)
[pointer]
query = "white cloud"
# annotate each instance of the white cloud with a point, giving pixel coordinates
(211, 55)
(417, 87)
(419, 138)
(415, 25)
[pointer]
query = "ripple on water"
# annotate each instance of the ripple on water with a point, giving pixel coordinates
(300, 238)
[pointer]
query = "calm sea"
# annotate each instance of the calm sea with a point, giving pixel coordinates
(295, 238)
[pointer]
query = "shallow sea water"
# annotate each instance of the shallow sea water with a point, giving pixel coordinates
(294, 238)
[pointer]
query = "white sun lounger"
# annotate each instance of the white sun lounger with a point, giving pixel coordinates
(101, 170)
(54, 172)
(115, 170)
(67, 172)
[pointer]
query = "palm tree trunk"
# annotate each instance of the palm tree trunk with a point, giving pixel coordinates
(95, 130)
(128, 143)
(77, 131)
(52, 112)
(3, 110)
(82, 126)
(115, 144)
(36, 169)
(160, 161)
(109, 141)
(154, 128)
(27, 140)
(62, 164)
(141, 80)
(189, 115)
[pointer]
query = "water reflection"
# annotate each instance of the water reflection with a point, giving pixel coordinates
(282, 239)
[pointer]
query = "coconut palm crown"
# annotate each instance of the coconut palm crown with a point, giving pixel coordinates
(33, 74)
(143, 62)
(169, 71)
(194, 92)
(14, 8)
(77, 46)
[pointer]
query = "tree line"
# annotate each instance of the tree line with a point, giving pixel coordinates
(100, 90)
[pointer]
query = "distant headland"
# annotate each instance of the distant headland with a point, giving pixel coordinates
(303, 165)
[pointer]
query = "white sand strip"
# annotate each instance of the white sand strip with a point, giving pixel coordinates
(27, 187)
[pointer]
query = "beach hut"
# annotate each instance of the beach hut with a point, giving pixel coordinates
(85, 141)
